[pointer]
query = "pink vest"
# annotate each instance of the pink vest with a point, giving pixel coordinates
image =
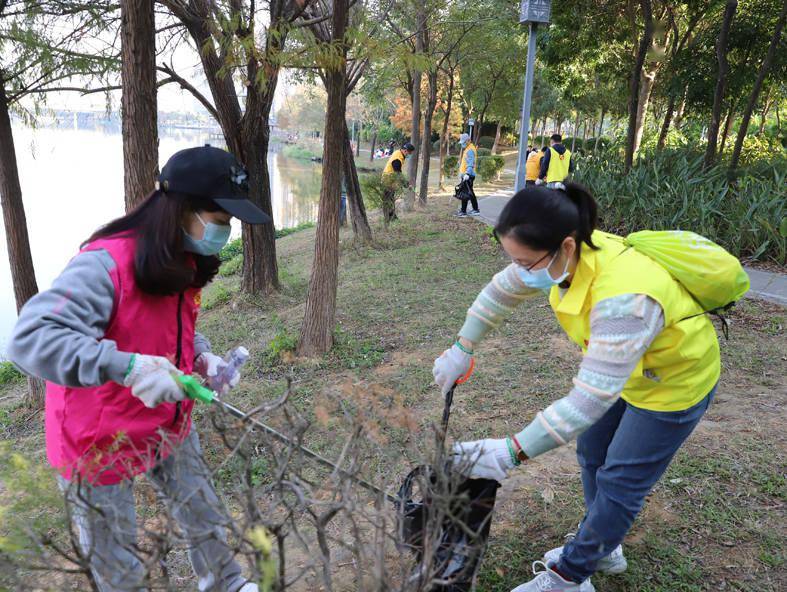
(105, 433)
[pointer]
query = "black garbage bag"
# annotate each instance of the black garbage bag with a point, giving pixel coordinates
(463, 190)
(451, 516)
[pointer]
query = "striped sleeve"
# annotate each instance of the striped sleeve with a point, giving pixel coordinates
(495, 302)
(621, 330)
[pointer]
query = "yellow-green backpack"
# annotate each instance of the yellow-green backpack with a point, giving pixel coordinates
(714, 277)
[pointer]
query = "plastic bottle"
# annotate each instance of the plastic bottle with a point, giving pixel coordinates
(234, 359)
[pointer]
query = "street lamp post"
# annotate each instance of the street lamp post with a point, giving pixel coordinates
(471, 123)
(533, 13)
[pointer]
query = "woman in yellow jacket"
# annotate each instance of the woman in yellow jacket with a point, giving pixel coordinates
(649, 370)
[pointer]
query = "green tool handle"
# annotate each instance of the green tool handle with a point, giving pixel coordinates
(194, 390)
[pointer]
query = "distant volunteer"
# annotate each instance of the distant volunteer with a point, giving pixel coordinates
(109, 336)
(556, 165)
(649, 372)
(467, 168)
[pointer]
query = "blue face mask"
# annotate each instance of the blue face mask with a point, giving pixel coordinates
(212, 241)
(540, 278)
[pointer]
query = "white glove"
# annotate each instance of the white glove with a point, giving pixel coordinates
(539, 181)
(451, 366)
(209, 365)
(465, 177)
(483, 459)
(151, 380)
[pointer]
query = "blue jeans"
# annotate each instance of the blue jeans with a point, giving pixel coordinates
(621, 457)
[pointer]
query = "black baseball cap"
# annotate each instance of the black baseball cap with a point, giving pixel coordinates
(214, 173)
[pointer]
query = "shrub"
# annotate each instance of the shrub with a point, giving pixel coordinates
(489, 167)
(9, 373)
(486, 142)
(299, 152)
(451, 166)
(670, 190)
(484, 152)
(374, 186)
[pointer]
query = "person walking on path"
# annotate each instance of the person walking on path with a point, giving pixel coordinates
(110, 335)
(393, 179)
(533, 165)
(556, 165)
(650, 370)
(467, 167)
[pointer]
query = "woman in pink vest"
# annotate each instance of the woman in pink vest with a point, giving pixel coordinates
(109, 336)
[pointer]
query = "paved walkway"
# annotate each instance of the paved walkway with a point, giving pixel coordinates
(764, 284)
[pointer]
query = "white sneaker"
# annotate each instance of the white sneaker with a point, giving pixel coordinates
(614, 563)
(550, 581)
(474, 213)
(249, 587)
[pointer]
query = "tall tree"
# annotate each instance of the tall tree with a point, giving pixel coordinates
(235, 46)
(762, 74)
(635, 83)
(40, 45)
(718, 96)
(319, 316)
(140, 115)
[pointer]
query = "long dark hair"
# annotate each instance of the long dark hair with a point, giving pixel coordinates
(161, 265)
(542, 218)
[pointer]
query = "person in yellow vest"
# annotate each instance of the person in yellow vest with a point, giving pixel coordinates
(533, 165)
(395, 166)
(649, 370)
(467, 167)
(556, 165)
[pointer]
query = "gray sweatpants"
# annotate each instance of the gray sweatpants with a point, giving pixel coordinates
(105, 520)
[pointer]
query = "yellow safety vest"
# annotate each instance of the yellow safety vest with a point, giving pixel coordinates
(463, 167)
(682, 364)
(398, 155)
(533, 166)
(558, 166)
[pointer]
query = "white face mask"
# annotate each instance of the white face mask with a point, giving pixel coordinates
(540, 278)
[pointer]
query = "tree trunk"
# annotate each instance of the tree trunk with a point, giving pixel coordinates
(20, 260)
(497, 138)
(600, 128)
(755, 93)
(576, 131)
(320, 314)
(415, 128)
(585, 133)
(445, 140)
(681, 110)
(727, 124)
(374, 146)
(358, 143)
(635, 86)
(426, 144)
(544, 131)
(246, 134)
(721, 80)
(361, 229)
(764, 114)
(138, 101)
(662, 141)
(646, 90)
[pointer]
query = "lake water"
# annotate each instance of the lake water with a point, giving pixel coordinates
(72, 183)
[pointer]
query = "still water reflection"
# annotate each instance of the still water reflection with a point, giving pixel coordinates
(72, 182)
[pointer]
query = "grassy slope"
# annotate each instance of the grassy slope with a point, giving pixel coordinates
(718, 518)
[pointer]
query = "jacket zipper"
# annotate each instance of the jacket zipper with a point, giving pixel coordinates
(179, 353)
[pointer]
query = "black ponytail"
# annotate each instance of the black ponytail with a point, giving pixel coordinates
(542, 218)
